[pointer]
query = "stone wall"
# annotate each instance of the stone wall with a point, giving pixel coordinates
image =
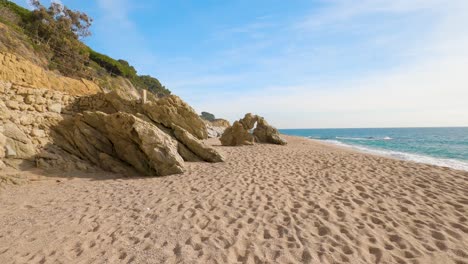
(26, 115)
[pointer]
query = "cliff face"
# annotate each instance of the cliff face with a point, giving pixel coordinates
(61, 123)
(110, 131)
(22, 72)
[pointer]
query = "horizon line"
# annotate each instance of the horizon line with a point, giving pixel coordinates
(374, 127)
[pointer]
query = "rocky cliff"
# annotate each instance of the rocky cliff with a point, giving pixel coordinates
(61, 123)
(22, 72)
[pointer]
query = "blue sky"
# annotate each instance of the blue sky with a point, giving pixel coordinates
(323, 63)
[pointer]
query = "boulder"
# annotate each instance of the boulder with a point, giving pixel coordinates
(239, 133)
(121, 138)
(265, 133)
(197, 147)
(171, 111)
(236, 135)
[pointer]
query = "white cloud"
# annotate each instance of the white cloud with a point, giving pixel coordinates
(428, 90)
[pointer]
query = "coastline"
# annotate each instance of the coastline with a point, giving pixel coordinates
(306, 202)
(402, 156)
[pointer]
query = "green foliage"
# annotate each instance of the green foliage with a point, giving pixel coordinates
(208, 116)
(151, 84)
(57, 30)
(116, 67)
(21, 12)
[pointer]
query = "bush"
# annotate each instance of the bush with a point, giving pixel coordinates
(21, 12)
(151, 84)
(208, 116)
(113, 66)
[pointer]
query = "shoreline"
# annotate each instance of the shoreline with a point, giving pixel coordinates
(306, 202)
(391, 154)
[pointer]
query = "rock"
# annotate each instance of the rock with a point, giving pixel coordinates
(18, 145)
(187, 154)
(10, 152)
(249, 121)
(14, 105)
(30, 99)
(215, 132)
(126, 139)
(109, 163)
(22, 72)
(220, 123)
(171, 111)
(197, 147)
(267, 134)
(26, 120)
(39, 100)
(2, 145)
(55, 108)
(4, 111)
(239, 133)
(4, 86)
(2, 165)
(236, 135)
(38, 133)
(40, 108)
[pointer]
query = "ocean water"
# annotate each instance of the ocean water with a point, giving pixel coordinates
(447, 146)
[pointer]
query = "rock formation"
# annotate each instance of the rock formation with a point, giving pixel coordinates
(121, 140)
(216, 127)
(110, 131)
(171, 111)
(267, 134)
(23, 72)
(239, 133)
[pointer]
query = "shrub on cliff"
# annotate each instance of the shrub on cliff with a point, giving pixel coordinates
(59, 29)
(56, 32)
(207, 116)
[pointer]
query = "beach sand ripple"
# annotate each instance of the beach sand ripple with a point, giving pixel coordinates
(306, 202)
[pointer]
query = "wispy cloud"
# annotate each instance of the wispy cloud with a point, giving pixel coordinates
(425, 86)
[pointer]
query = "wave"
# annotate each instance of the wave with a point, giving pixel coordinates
(451, 163)
(365, 138)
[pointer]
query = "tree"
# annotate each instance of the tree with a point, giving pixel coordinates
(59, 30)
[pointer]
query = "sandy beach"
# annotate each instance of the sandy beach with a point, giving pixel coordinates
(306, 202)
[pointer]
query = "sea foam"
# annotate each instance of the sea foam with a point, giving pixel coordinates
(450, 163)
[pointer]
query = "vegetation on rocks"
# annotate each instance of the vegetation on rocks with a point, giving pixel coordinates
(55, 32)
(207, 116)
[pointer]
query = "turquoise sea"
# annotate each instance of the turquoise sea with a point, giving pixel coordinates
(447, 146)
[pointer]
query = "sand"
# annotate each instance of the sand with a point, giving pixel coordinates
(306, 202)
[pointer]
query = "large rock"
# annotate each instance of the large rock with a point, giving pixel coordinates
(171, 111)
(236, 135)
(124, 138)
(239, 133)
(267, 134)
(196, 146)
